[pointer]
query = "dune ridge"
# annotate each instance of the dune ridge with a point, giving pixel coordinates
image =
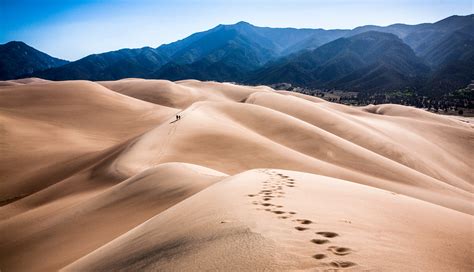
(101, 176)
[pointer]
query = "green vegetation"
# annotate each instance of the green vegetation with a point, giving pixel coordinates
(459, 102)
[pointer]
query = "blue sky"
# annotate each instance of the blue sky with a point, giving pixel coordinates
(72, 29)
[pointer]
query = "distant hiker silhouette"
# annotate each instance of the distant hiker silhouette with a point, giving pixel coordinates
(178, 117)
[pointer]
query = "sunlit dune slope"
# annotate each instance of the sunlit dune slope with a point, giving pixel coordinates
(48, 131)
(101, 176)
(311, 222)
(85, 222)
(180, 94)
(233, 137)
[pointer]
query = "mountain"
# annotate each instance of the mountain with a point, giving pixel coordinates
(428, 36)
(265, 41)
(422, 37)
(318, 38)
(400, 30)
(229, 52)
(204, 69)
(458, 45)
(447, 46)
(366, 61)
(216, 43)
(219, 54)
(111, 65)
(430, 57)
(454, 59)
(17, 59)
(225, 52)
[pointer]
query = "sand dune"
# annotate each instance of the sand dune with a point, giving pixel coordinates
(100, 176)
(31, 80)
(182, 94)
(318, 222)
(50, 130)
(88, 221)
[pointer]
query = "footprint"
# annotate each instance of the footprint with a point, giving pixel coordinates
(319, 256)
(320, 241)
(304, 221)
(342, 264)
(267, 204)
(251, 195)
(341, 251)
(301, 228)
(267, 198)
(279, 212)
(292, 212)
(327, 234)
(282, 217)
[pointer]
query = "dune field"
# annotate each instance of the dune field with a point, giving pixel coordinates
(101, 176)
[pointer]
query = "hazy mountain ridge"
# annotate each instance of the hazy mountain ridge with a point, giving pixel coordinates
(245, 53)
(18, 59)
(370, 60)
(111, 65)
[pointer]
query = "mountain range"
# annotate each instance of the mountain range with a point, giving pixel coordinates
(18, 59)
(369, 60)
(430, 57)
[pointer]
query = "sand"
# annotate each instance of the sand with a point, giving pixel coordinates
(99, 176)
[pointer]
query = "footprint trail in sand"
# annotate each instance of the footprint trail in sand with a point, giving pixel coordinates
(274, 187)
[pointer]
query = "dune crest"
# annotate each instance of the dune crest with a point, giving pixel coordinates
(247, 232)
(101, 176)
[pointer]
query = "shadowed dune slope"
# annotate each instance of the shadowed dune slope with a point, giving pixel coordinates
(234, 137)
(413, 141)
(180, 94)
(87, 222)
(319, 223)
(49, 130)
(101, 176)
(31, 80)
